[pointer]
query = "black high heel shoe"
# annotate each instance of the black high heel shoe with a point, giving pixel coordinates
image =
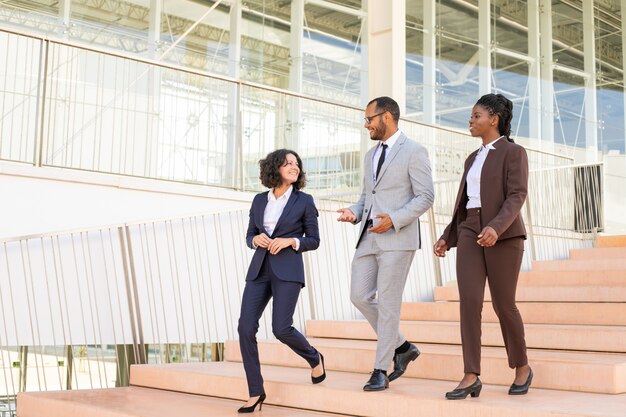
(522, 389)
(253, 406)
(461, 393)
(318, 379)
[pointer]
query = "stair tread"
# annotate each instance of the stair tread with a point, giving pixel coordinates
(138, 401)
(598, 358)
(342, 392)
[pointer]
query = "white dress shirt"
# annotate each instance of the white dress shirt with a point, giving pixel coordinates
(473, 175)
(389, 142)
(273, 211)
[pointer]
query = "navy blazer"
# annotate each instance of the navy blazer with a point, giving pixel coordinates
(299, 220)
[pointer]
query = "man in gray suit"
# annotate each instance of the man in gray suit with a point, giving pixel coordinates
(397, 189)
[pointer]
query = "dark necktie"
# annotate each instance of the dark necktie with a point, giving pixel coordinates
(381, 160)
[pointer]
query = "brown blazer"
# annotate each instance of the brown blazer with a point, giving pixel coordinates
(503, 189)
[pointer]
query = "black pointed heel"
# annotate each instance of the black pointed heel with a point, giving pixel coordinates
(318, 379)
(461, 393)
(522, 389)
(250, 409)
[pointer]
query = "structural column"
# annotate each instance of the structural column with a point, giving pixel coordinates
(151, 164)
(623, 20)
(546, 70)
(534, 74)
(295, 73)
(430, 54)
(484, 42)
(233, 147)
(591, 106)
(387, 49)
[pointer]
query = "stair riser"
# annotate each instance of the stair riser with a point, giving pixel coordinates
(572, 278)
(597, 253)
(570, 376)
(540, 337)
(578, 265)
(601, 314)
(610, 241)
(549, 294)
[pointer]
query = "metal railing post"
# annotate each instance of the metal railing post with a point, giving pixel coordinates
(433, 236)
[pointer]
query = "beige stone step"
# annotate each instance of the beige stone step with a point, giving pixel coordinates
(573, 278)
(598, 253)
(342, 392)
(603, 314)
(573, 371)
(137, 402)
(611, 241)
(538, 336)
(580, 265)
(548, 293)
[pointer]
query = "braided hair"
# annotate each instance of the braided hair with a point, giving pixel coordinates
(497, 104)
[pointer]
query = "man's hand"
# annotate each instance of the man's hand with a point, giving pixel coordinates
(383, 225)
(261, 240)
(487, 237)
(346, 215)
(440, 248)
(279, 244)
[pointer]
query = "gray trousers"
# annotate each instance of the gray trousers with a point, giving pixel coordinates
(378, 279)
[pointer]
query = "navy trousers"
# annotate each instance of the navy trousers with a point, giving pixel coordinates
(256, 295)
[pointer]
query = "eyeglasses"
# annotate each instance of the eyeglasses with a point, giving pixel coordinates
(368, 119)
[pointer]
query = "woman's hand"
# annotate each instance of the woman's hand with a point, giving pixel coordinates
(487, 237)
(440, 248)
(261, 240)
(279, 244)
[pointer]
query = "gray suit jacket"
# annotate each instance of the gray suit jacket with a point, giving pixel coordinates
(404, 190)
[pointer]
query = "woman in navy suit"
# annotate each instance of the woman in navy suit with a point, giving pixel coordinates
(283, 224)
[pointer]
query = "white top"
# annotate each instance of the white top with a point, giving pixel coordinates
(274, 209)
(473, 175)
(389, 142)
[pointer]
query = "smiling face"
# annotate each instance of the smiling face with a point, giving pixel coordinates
(377, 127)
(481, 123)
(289, 170)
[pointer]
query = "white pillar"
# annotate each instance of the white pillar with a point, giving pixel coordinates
(65, 15)
(154, 30)
(387, 47)
(534, 74)
(546, 70)
(233, 147)
(591, 106)
(623, 20)
(484, 42)
(295, 73)
(429, 55)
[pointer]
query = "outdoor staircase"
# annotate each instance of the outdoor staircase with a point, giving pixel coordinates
(575, 320)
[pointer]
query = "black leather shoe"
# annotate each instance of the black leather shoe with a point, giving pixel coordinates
(378, 381)
(250, 409)
(318, 379)
(521, 389)
(461, 393)
(401, 361)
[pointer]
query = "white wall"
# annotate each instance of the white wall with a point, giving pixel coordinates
(40, 200)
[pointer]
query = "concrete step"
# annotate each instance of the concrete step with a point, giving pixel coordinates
(602, 314)
(611, 241)
(538, 336)
(342, 392)
(562, 370)
(137, 402)
(548, 293)
(572, 278)
(581, 264)
(598, 253)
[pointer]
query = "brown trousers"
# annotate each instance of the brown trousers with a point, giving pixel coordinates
(500, 264)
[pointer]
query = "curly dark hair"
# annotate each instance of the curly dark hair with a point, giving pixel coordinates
(503, 107)
(270, 165)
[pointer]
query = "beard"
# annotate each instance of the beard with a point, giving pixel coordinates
(378, 133)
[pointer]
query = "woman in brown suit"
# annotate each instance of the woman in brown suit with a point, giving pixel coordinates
(488, 232)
